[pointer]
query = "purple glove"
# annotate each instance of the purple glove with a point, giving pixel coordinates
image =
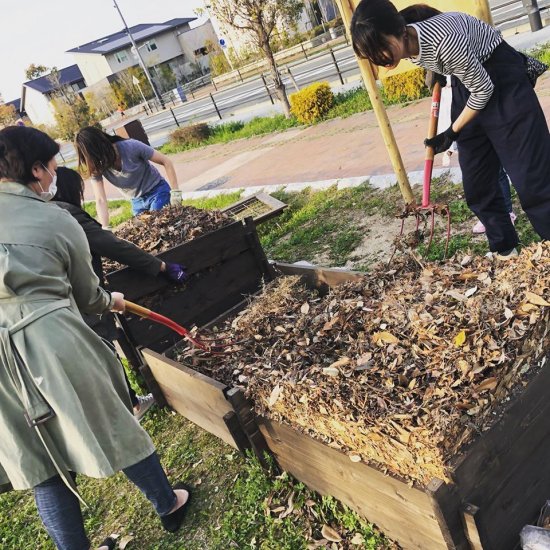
(176, 273)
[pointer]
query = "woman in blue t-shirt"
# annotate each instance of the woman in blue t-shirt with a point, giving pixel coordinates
(125, 164)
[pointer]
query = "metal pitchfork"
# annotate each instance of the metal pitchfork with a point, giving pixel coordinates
(427, 208)
(212, 346)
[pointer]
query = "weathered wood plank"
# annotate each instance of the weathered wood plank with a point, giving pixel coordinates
(405, 514)
(193, 395)
(318, 277)
(503, 472)
(469, 514)
(247, 418)
(197, 255)
(447, 508)
(206, 297)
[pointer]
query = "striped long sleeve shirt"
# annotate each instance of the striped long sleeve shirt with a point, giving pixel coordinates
(458, 44)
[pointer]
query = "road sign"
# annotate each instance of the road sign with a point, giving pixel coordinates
(223, 43)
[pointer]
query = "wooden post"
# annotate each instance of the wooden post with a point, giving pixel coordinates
(346, 10)
(483, 11)
(469, 512)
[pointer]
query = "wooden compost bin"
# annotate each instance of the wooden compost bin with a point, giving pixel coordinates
(500, 479)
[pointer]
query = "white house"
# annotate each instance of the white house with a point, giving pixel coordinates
(37, 94)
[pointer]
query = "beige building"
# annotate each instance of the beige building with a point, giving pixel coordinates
(172, 45)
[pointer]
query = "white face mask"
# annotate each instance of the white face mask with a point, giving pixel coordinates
(52, 188)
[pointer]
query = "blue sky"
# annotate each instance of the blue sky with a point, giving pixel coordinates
(39, 31)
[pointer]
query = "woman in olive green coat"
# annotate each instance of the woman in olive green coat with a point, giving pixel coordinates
(64, 405)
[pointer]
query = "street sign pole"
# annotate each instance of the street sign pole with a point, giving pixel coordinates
(135, 81)
(223, 45)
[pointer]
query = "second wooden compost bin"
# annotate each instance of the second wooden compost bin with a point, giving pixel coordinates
(500, 479)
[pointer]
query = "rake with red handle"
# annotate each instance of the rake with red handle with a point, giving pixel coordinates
(209, 345)
(427, 208)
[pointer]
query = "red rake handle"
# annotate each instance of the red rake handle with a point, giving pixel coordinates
(430, 154)
(161, 319)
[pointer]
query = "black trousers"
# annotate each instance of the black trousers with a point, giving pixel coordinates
(510, 131)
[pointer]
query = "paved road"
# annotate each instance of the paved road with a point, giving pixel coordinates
(253, 91)
(245, 100)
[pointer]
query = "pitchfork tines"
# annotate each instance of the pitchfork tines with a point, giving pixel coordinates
(213, 346)
(425, 213)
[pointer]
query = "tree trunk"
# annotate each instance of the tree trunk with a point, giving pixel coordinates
(277, 80)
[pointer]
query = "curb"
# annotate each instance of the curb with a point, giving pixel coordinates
(378, 182)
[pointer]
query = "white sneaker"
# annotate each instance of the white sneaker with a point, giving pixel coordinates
(508, 255)
(480, 228)
(145, 402)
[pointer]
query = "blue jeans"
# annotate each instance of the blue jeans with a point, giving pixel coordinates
(60, 512)
(155, 199)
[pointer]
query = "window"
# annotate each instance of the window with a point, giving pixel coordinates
(151, 46)
(121, 56)
(201, 51)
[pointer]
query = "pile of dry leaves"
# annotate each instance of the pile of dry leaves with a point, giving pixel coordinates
(157, 231)
(401, 367)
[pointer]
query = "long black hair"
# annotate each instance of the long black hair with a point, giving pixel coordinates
(95, 149)
(70, 187)
(373, 22)
(21, 148)
(418, 12)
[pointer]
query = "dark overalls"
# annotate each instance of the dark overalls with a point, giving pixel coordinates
(511, 130)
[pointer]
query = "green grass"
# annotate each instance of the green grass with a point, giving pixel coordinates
(345, 104)
(325, 223)
(214, 203)
(229, 131)
(230, 502)
(349, 103)
(542, 53)
(121, 210)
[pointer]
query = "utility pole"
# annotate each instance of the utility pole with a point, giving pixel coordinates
(142, 63)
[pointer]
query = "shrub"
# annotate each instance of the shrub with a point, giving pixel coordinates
(405, 86)
(312, 103)
(190, 135)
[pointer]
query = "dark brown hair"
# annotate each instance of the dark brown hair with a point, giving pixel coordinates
(418, 12)
(21, 148)
(372, 23)
(70, 187)
(95, 149)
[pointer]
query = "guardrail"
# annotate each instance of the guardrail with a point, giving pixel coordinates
(514, 13)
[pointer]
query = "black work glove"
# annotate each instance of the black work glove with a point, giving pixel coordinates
(432, 78)
(442, 141)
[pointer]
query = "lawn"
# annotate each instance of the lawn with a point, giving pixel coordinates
(236, 504)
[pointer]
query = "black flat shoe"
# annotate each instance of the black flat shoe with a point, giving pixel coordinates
(109, 542)
(172, 522)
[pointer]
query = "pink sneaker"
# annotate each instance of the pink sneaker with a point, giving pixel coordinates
(479, 228)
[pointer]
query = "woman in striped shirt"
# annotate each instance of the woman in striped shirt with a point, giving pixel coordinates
(496, 115)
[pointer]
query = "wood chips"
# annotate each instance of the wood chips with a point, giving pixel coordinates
(402, 367)
(157, 231)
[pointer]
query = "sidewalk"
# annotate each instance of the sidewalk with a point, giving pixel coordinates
(339, 149)
(344, 151)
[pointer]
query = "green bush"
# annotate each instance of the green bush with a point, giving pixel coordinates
(312, 103)
(405, 86)
(190, 135)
